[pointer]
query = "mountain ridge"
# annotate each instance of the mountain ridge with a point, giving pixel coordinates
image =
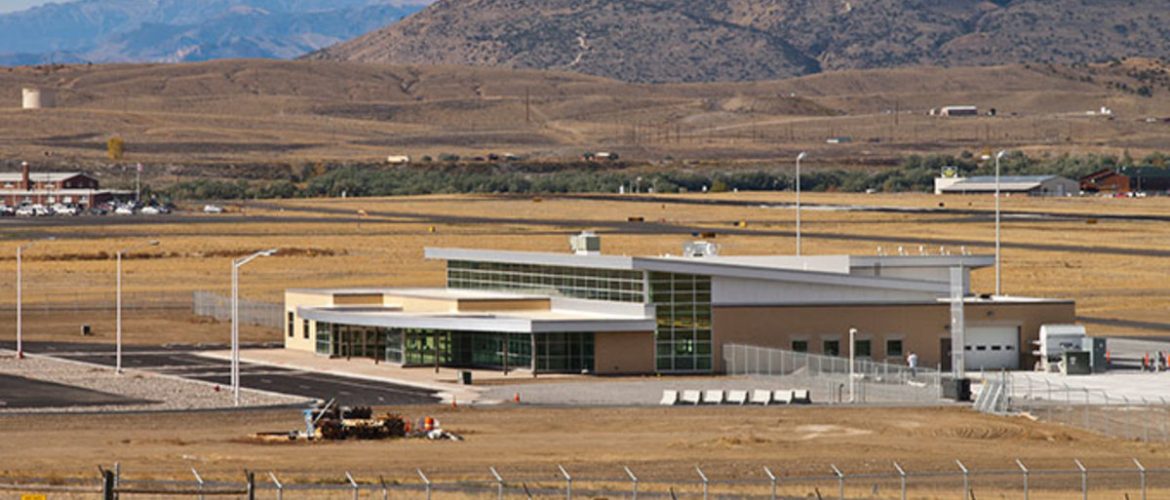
(657, 41)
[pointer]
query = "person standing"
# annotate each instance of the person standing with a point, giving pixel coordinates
(912, 362)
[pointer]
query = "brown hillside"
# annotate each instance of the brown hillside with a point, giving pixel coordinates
(738, 40)
(268, 112)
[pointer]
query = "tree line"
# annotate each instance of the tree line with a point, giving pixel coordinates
(914, 174)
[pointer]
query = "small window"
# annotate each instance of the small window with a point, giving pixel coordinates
(1009, 348)
(292, 325)
(305, 332)
(894, 348)
(995, 348)
(800, 345)
(831, 348)
(981, 348)
(863, 348)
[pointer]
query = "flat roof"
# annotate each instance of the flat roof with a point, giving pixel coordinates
(422, 293)
(822, 269)
(522, 321)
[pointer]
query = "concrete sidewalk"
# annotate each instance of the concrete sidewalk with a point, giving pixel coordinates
(445, 381)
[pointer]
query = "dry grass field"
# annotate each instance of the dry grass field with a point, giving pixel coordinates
(1114, 268)
(274, 113)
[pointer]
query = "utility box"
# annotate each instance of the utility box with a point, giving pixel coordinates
(1075, 363)
(86, 331)
(957, 389)
(465, 377)
(1096, 347)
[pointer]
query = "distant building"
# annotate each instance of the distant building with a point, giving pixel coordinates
(1105, 181)
(1032, 185)
(959, 111)
(1147, 179)
(34, 98)
(47, 188)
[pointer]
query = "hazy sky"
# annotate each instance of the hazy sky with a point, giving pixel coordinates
(11, 5)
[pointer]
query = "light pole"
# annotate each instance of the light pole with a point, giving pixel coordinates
(998, 257)
(852, 358)
(118, 322)
(799, 157)
(19, 297)
(236, 265)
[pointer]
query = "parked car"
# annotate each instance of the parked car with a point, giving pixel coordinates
(64, 209)
(124, 210)
(212, 209)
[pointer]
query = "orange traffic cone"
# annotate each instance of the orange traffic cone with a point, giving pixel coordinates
(454, 403)
(516, 398)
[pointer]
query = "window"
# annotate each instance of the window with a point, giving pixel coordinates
(800, 345)
(291, 323)
(863, 348)
(682, 306)
(582, 283)
(305, 331)
(893, 348)
(831, 348)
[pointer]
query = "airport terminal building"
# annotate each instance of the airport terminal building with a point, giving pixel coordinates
(585, 312)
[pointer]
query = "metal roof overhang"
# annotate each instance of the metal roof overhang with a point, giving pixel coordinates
(473, 322)
(786, 275)
(534, 258)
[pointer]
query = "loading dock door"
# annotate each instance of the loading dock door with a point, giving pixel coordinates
(992, 348)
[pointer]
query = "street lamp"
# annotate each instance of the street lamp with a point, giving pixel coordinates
(236, 265)
(118, 322)
(852, 358)
(19, 298)
(799, 157)
(998, 267)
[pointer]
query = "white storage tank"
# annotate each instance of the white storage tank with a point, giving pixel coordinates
(34, 98)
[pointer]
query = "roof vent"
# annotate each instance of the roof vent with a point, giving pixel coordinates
(700, 249)
(586, 243)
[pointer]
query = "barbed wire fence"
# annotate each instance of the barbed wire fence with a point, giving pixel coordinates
(828, 376)
(1127, 480)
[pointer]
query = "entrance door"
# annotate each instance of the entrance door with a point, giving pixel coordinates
(992, 348)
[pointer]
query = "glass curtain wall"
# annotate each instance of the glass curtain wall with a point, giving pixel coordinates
(582, 283)
(683, 333)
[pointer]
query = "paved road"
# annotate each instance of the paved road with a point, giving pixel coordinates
(184, 361)
(21, 392)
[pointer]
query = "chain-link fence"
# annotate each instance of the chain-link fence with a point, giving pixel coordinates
(1139, 419)
(829, 376)
(252, 312)
(1016, 479)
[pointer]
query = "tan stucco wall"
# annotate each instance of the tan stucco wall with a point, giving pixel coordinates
(920, 327)
(358, 299)
(623, 353)
(292, 301)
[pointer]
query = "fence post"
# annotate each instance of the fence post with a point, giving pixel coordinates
(426, 482)
(279, 486)
(385, 489)
(703, 477)
(1084, 480)
(1086, 408)
(499, 483)
(771, 477)
(250, 477)
(117, 475)
(198, 479)
(633, 479)
(108, 490)
(840, 482)
(1025, 470)
(902, 476)
(568, 483)
(1142, 475)
(352, 484)
(966, 480)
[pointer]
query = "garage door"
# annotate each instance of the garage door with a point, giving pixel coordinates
(992, 347)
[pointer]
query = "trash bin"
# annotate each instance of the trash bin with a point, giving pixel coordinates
(958, 389)
(86, 331)
(465, 377)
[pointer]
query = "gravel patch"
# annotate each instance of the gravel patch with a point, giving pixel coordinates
(166, 393)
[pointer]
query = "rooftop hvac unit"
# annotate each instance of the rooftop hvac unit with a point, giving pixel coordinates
(586, 243)
(700, 249)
